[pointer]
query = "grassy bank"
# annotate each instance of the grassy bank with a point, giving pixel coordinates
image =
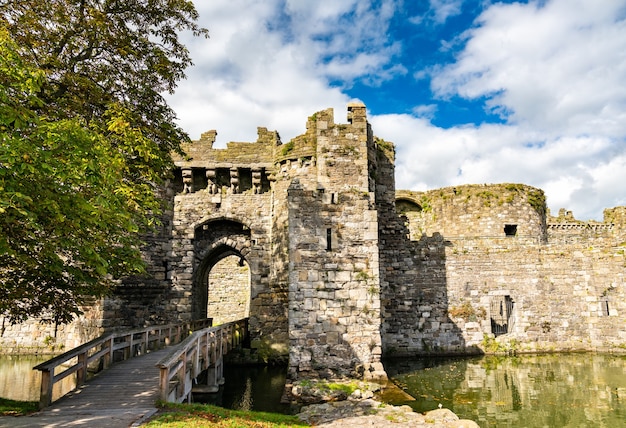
(17, 408)
(204, 415)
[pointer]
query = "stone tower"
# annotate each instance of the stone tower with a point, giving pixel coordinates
(334, 298)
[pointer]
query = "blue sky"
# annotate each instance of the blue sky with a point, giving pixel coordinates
(470, 91)
(431, 35)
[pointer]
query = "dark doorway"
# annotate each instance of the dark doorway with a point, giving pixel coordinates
(501, 313)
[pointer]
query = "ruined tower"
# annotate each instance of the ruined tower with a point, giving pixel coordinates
(334, 287)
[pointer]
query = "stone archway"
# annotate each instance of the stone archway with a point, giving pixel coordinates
(221, 271)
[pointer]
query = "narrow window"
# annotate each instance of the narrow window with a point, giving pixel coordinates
(329, 239)
(510, 229)
(604, 303)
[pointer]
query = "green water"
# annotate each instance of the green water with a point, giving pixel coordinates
(557, 390)
(18, 380)
(544, 391)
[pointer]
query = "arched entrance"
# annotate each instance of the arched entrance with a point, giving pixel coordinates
(221, 287)
(229, 290)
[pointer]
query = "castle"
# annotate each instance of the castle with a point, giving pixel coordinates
(336, 269)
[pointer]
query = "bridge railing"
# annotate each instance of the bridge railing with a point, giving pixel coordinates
(100, 353)
(202, 350)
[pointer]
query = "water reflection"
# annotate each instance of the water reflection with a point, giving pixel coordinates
(250, 388)
(560, 390)
(18, 380)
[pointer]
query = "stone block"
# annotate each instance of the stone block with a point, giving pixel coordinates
(332, 338)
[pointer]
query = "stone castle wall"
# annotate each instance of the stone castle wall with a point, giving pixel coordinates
(476, 211)
(37, 337)
(343, 269)
(493, 273)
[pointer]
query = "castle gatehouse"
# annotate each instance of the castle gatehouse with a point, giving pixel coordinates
(335, 268)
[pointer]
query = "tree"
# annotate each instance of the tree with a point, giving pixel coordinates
(85, 139)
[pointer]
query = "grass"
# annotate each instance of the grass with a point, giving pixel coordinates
(17, 408)
(205, 415)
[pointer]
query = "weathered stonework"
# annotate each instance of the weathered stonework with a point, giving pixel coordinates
(36, 337)
(489, 270)
(336, 269)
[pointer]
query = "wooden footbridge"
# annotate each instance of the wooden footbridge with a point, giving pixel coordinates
(135, 368)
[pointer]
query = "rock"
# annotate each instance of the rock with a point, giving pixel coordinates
(371, 413)
(441, 415)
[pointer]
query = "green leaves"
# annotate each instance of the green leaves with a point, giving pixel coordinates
(96, 53)
(65, 216)
(85, 139)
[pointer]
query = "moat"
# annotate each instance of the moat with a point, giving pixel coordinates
(549, 390)
(552, 390)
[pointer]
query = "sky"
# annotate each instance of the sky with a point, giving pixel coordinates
(470, 91)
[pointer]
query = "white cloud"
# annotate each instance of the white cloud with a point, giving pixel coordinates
(571, 170)
(556, 71)
(269, 63)
(444, 9)
(425, 111)
(556, 68)
(438, 12)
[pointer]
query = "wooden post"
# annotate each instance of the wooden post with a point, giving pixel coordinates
(81, 373)
(131, 347)
(45, 395)
(219, 361)
(206, 350)
(108, 357)
(182, 376)
(196, 360)
(212, 378)
(164, 383)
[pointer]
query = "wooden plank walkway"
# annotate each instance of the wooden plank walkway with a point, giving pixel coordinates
(126, 393)
(118, 397)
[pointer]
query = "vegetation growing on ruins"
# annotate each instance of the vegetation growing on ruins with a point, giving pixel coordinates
(385, 146)
(426, 204)
(287, 148)
(85, 137)
(487, 197)
(536, 197)
(537, 200)
(467, 312)
(490, 345)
